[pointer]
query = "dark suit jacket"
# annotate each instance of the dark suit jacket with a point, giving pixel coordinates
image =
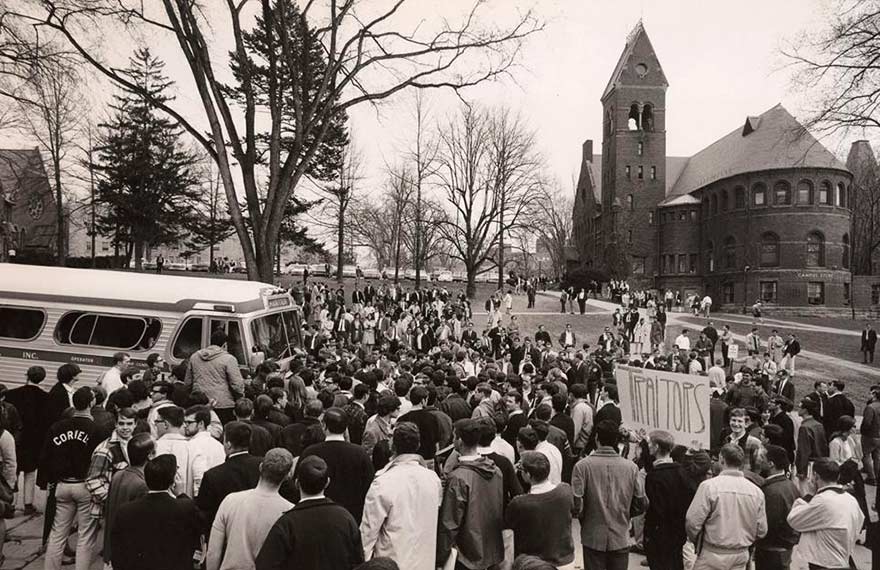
(565, 423)
(869, 339)
(543, 336)
(58, 402)
(314, 535)
(787, 390)
(237, 473)
(156, 532)
(669, 491)
(291, 436)
(351, 473)
(31, 402)
(261, 440)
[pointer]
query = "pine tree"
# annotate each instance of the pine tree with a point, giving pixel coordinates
(147, 187)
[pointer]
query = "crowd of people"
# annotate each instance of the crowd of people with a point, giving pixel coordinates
(400, 437)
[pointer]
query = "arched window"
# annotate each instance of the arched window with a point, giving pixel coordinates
(805, 192)
(815, 253)
(769, 250)
(629, 202)
(710, 257)
(730, 253)
(825, 193)
(739, 197)
(782, 193)
(609, 123)
(759, 195)
(705, 207)
(725, 201)
(839, 199)
(714, 204)
(633, 118)
(648, 118)
(844, 262)
(844, 197)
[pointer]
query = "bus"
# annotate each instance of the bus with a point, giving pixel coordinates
(53, 315)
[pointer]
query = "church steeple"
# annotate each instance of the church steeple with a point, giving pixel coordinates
(638, 64)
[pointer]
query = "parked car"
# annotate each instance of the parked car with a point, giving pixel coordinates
(149, 265)
(348, 270)
(202, 267)
(296, 269)
(459, 276)
(410, 274)
(175, 265)
(372, 273)
(241, 267)
(318, 270)
(444, 276)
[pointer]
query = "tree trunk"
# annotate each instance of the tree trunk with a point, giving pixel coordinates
(138, 255)
(60, 242)
(471, 288)
(417, 255)
(501, 246)
(397, 257)
(340, 241)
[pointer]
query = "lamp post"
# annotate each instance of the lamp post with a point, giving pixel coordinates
(746, 287)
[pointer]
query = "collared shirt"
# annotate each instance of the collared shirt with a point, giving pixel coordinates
(829, 525)
(70, 390)
(728, 510)
(177, 445)
(503, 448)
(607, 483)
(542, 488)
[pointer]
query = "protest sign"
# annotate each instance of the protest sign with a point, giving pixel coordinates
(733, 351)
(659, 400)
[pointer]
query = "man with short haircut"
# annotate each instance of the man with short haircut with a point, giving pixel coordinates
(400, 510)
(607, 494)
(483, 398)
(516, 417)
(728, 514)
(205, 452)
(351, 470)
(238, 472)
(870, 432)
(299, 539)
(541, 520)
(169, 428)
(426, 421)
(837, 406)
(669, 490)
(65, 462)
(245, 517)
(158, 530)
(740, 436)
(471, 515)
(773, 552)
(829, 523)
(812, 443)
(215, 372)
(582, 416)
(356, 409)
(160, 393)
(127, 485)
(111, 380)
(261, 440)
(31, 401)
(108, 458)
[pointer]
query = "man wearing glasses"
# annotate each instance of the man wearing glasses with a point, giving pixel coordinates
(169, 429)
(160, 393)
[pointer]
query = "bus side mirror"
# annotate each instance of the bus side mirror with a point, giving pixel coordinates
(257, 358)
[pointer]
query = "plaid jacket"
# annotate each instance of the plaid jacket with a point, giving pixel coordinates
(109, 457)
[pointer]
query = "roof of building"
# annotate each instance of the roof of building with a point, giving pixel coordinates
(861, 159)
(683, 200)
(772, 140)
(637, 34)
(121, 288)
(21, 169)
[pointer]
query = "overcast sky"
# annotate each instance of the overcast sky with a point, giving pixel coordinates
(721, 59)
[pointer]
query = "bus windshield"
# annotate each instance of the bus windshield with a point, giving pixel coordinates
(276, 335)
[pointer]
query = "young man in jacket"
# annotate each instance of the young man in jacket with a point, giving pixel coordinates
(471, 515)
(774, 550)
(669, 490)
(215, 372)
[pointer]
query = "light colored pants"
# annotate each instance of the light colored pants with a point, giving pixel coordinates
(715, 560)
(73, 501)
(788, 363)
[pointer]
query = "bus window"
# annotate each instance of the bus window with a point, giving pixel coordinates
(234, 344)
(110, 331)
(275, 334)
(189, 338)
(21, 323)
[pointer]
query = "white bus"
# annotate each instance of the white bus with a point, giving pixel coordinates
(53, 315)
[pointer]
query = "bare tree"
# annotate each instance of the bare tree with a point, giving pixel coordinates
(50, 110)
(337, 197)
(487, 184)
(367, 56)
(516, 175)
(553, 225)
(838, 68)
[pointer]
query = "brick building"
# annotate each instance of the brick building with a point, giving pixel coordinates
(28, 211)
(761, 212)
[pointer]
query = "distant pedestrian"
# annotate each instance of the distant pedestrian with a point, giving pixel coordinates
(790, 351)
(160, 263)
(869, 342)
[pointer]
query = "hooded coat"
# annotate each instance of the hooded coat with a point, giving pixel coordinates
(215, 372)
(472, 516)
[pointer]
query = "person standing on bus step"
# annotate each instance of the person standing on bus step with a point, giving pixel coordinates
(64, 463)
(111, 379)
(215, 372)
